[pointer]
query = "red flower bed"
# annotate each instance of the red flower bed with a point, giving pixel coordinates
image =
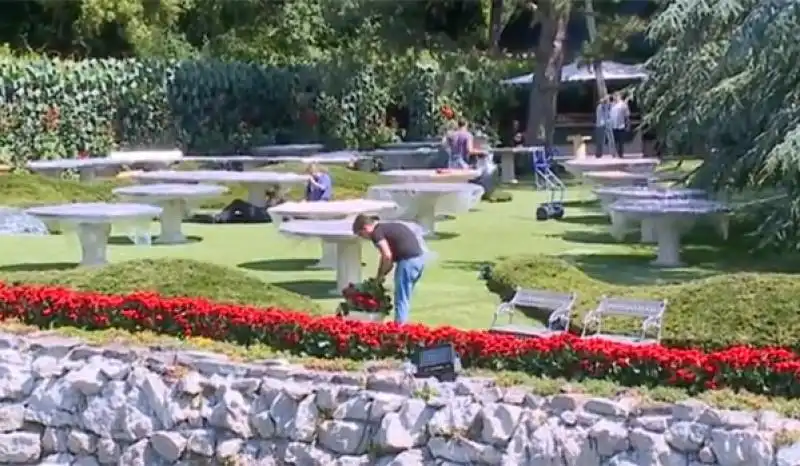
(772, 371)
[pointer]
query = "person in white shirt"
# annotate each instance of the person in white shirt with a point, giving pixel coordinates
(620, 120)
(484, 163)
(601, 126)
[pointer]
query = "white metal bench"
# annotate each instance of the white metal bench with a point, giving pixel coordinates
(651, 312)
(559, 306)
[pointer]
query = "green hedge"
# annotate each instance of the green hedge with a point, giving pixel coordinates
(57, 108)
(746, 308)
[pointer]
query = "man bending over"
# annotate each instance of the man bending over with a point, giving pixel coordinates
(400, 249)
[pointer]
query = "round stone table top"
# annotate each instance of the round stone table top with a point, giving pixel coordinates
(329, 230)
(95, 212)
(665, 207)
(287, 149)
(644, 192)
(171, 190)
(222, 176)
(73, 164)
(617, 175)
(437, 175)
(412, 144)
(589, 164)
(421, 151)
(332, 209)
(432, 188)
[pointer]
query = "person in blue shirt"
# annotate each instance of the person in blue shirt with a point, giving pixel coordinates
(320, 185)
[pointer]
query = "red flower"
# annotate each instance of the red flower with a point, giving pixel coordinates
(771, 371)
(447, 112)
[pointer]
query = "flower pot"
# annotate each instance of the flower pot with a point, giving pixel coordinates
(365, 316)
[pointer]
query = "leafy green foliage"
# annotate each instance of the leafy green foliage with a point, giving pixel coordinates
(737, 101)
(740, 308)
(172, 277)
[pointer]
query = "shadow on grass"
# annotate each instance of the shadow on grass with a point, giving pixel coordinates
(441, 235)
(469, 266)
(125, 241)
(314, 289)
(208, 219)
(592, 237)
(634, 269)
(39, 267)
(593, 220)
(581, 204)
(279, 265)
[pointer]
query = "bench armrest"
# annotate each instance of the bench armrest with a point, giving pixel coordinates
(591, 319)
(503, 308)
(560, 315)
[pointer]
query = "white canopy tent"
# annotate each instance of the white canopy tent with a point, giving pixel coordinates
(612, 71)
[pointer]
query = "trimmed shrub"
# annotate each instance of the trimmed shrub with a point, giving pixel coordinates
(741, 308)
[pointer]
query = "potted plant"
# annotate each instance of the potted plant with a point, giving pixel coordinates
(367, 301)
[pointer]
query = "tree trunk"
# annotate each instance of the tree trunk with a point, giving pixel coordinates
(549, 59)
(496, 24)
(597, 66)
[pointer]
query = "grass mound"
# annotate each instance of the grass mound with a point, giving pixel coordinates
(23, 189)
(171, 277)
(739, 308)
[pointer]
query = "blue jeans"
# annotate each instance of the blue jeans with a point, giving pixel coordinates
(406, 274)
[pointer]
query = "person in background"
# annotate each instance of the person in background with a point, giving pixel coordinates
(459, 146)
(620, 120)
(401, 249)
(319, 186)
(484, 163)
(602, 120)
(517, 135)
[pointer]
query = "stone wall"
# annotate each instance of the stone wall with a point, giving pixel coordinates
(63, 403)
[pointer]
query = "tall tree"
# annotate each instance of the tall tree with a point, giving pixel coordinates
(553, 16)
(725, 85)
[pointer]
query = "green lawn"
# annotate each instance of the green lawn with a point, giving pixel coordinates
(450, 292)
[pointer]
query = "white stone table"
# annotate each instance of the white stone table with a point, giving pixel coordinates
(330, 210)
(618, 178)
(174, 199)
(339, 233)
(430, 176)
(404, 158)
(621, 224)
(256, 182)
(412, 144)
(89, 167)
(287, 149)
(594, 164)
(508, 156)
(670, 219)
(92, 222)
(418, 201)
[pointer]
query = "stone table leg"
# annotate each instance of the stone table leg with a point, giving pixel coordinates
(619, 225)
(722, 224)
(328, 259)
(86, 174)
(94, 241)
(426, 214)
(171, 219)
(348, 265)
(507, 174)
(257, 195)
(669, 243)
(648, 231)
